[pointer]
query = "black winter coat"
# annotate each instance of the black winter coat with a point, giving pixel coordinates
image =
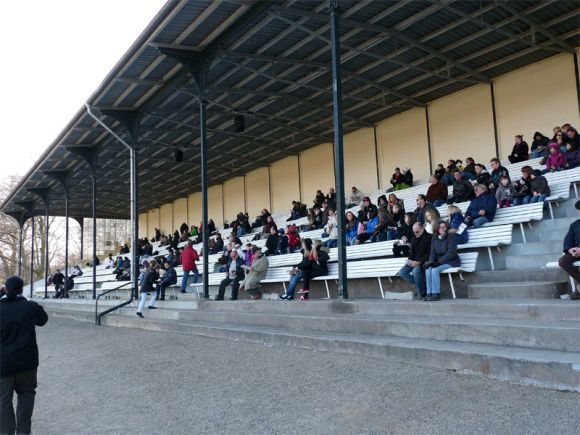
(149, 280)
(444, 251)
(572, 239)
(18, 318)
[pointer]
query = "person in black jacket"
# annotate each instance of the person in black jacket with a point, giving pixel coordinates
(235, 275)
(419, 253)
(150, 278)
(58, 281)
(272, 242)
(443, 256)
(169, 278)
(298, 271)
(540, 145)
(462, 189)
(571, 251)
(520, 150)
(319, 260)
(18, 356)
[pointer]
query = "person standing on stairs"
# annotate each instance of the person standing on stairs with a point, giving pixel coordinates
(571, 250)
(147, 286)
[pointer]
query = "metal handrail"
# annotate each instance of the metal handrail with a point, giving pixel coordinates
(98, 317)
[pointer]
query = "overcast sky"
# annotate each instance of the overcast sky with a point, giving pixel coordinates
(54, 55)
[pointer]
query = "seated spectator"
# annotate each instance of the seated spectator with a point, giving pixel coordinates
(317, 218)
(298, 211)
(331, 198)
(184, 227)
(157, 234)
(319, 198)
(367, 206)
(351, 228)
(272, 242)
(382, 201)
(407, 180)
(462, 189)
(147, 286)
(163, 240)
(459, 164)
(469, 170)
(539, 187)
(420, 210)
(540, 145)
(219, 243)
(211, 247)
(557, 129)
(124, 249)
(256, 273)
(482, 209)
(313, 264)
(443, 256)
(571, 251)
(447, 179)
(369, 227)
(330, 230)
(266, 230)
(394, 200)
(168, 279)
(235, 275)
(505, 193)
(76, 271)
(560, 139)
(385, 223)
(419, 251)
(571, 157)
(282, 247)
(457, 224)
(440, 171)
(355, 198)
(248, 254)
(184, 237)
(497, 172)
(110, 262)
(573, 138)
(211, 227)
(398, 218)
(437, 192)
(482, 176)
(194, 231)
(293, 239)
(261, 220)
(406, 234)
(520, 151)
(175, 240)
(58, 281)
(555, 161)
(397, 179)
(431, 218)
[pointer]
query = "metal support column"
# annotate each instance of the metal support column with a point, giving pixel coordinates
(44, 195)
(20, 218)
(32, 235)
(338, 148)
(428, 127)
(577, 76)
(66, 244)
(20, 237)
(494, 118)
(82, 225)
(198, 65)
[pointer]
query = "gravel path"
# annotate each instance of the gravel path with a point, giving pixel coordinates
(113, 380)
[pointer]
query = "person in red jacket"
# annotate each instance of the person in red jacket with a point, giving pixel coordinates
(188, 258)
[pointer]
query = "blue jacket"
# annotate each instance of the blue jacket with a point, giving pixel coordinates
(456, 219)
(351, 233)
(486, 202)
(371, 225)
(170, 277)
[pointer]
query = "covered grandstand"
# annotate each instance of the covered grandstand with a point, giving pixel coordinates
(422, 81)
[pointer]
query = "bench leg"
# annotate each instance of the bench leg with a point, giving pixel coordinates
(575, 190)
(381, 287)
(551, 211)
(572, 285)
(327, 291)
(523, 232)
(490, 258)
(451, 284)
(284, 285)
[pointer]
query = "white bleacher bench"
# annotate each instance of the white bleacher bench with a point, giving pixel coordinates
(116, 285)
(567, 176)
(214, 279)
(89, 279)
(558, 192)
(554, 264)
(489, 237)
(365, 250)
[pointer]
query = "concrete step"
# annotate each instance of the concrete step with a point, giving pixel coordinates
(542, 368)
(535, 248)
(530, 260)
(520, 275)
(521, 333)
(516, 290)
(552, 235)
(524, 309)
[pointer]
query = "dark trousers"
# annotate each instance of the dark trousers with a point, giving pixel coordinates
(566, 262)
(24, 384)
(235, 286)
(161, 288)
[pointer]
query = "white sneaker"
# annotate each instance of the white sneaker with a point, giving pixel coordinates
(565, 297)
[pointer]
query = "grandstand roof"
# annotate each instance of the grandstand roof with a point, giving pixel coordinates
(270, 62)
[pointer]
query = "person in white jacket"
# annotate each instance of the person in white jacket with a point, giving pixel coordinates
(331, 230)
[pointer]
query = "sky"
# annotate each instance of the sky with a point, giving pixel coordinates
(54, 55)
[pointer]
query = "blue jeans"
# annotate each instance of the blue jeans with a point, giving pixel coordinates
(434, 279)
(439, 202)
(532, 199)
(537, 154)
(478, 222)
(413, 275)
(393, 234)
(144, 298)
(186, 277)
(522, 200)
(294, 280)
(330, 243)
(241, 232)
(447, 179)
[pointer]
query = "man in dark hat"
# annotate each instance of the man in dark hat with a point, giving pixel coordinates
(572, 254)
(18, 356)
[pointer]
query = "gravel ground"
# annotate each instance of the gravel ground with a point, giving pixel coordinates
(113, 380)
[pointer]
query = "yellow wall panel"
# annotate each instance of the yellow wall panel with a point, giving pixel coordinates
(152, 222)
(462, 126)
(316, 171)
(257, 191)
(194, 208)
(402, 142)
(234, 201)
(179, 213)
(143, 225)
(360, 164)
(166, 218)
(215, 204)
(285, 186)
(535, 98)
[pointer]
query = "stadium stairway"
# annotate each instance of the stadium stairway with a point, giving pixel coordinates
(532, 341)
